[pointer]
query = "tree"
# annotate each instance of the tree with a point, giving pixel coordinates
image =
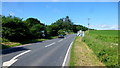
(64, 24)
(31, 21)
(61, 32)
(55, 29)
(35, 27)
(36, 30)
(13, 28)
(48, 31)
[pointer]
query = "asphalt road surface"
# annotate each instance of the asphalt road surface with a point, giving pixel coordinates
(46, 53)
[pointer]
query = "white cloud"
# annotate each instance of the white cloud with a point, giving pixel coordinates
(104, 27)
(11, 13)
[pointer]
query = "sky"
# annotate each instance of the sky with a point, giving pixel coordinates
(103, 15)
(60, 0)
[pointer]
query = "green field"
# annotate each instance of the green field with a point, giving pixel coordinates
(82, 55)
(104, 44)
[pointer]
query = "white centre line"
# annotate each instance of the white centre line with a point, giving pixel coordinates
(50, 44)
(14, 59)
(60, 40)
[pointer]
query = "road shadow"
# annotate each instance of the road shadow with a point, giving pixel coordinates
(4, 46)
(12, 50)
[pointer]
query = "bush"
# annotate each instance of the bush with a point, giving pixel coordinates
(5, 40)
(61, 32)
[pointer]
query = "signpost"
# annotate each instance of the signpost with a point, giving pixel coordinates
(80, 33)
(43, 33)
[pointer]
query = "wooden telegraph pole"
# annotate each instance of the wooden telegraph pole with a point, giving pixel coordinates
(88, 24)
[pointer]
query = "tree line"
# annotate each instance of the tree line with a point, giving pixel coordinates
(17, 29)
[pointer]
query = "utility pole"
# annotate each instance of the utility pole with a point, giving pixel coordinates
(88, 24)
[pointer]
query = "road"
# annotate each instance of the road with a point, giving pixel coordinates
(47, 53)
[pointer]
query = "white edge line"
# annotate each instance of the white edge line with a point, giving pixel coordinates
(65, 59)
(50, 44)
(14, 59)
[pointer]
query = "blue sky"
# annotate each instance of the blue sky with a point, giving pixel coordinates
(60, 0)
(103, 15)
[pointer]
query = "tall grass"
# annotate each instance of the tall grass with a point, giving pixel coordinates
(104, 43)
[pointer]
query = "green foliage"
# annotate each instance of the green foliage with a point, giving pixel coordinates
(101, 42)
(36, 30)
(49, 30)
(31, 21)
(35, 27)
(79, 27)
(67, 25)
(64, 23)
(61, 32)
(52, 30)
(5, 40)
(15, 29)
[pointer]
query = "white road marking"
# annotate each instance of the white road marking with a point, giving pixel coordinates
(14, 59)
(60, 40)
(65, 59)
(9, 63)
(50, 44)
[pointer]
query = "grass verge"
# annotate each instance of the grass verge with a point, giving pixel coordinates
(104, 44)
(82, 55)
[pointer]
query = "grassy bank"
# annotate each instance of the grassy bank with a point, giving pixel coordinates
(12, 44)
(82, 55)
(104, 43)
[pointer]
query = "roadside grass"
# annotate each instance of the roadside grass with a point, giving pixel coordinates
(104, 43)
(82, 55)
(9, 44)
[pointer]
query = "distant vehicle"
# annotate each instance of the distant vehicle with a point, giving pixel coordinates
(60, 36)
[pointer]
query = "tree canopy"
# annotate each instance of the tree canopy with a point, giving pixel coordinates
(16, 29)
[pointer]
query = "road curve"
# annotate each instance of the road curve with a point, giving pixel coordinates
(47, 53)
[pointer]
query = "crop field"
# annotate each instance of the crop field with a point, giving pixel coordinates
(104, 44)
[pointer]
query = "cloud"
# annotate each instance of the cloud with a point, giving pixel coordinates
(104, 27)
(11, 13)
